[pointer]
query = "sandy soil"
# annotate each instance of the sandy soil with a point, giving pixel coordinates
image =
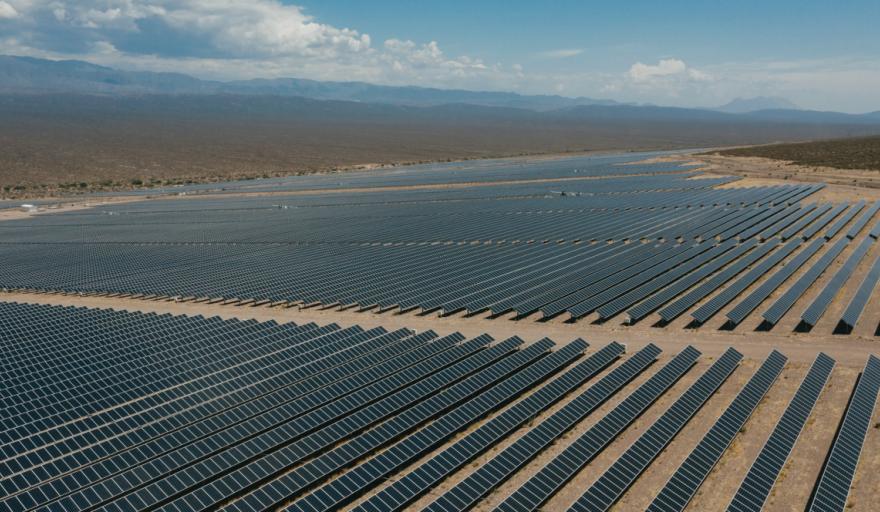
(849, 350)
(843, 184)
(72, 204)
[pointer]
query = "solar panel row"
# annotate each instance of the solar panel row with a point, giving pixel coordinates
(834, 485)
(428, 474)
(756, 486)
(683, 484)
(388, 253)
(511, 459)
(609, 487)
(339, 412)
(536, 490)
(866, 217)
(817, 308)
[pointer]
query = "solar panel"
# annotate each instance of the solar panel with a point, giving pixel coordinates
(843, 221)
(795, 228)
(346, 487)
(206, 487)
(645, 307)
(821, 223)
(681, 305)
(834, 485)
(372, 472)
(708, 310)
(502, 466)
(860, 299)
(756, 486)
(562, 468)
(787, 299)
(611, 485)
(817, 308)
(864, 219)
(754, 299)
(683, 485)
(420, 479)
(233, 448)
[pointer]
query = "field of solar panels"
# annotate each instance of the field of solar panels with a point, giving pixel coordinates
(586, 333)
(582, 240)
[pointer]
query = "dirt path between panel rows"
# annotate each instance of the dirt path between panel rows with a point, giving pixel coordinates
(848, 350)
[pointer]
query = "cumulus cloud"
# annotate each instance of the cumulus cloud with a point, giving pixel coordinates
(7, 11)
(229, 28)
(666, 70)
(226, 39)
(643, 72)
(405, 55)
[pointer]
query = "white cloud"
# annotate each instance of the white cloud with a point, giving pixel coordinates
(7, 11)
(239, 39)
(643, 72)
(562, 53)
(230, 39)
(665, 82)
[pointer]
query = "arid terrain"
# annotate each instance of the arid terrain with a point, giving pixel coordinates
(69, 144)
(848, 153)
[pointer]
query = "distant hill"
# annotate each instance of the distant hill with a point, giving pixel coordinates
(62, 142)
(71, 125)
(744, 105)
(26, 75)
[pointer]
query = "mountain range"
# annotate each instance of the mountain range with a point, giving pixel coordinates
(70, 124)
(27, 75)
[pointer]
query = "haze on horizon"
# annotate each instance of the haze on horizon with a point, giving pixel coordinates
(818, 55)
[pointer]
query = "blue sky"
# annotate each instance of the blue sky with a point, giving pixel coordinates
(820, 55)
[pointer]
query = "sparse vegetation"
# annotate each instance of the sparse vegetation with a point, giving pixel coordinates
(854, 153)
(106, 143)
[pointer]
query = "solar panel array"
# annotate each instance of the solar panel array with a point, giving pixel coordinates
(562, 468)
(683, 484)
(114, 410)
(609, 487)
(756, 486)
(607, 238)
(820, 304)
(854, 310)
(505, 464)
(430, 473)
(666, 275)
(834, 485)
